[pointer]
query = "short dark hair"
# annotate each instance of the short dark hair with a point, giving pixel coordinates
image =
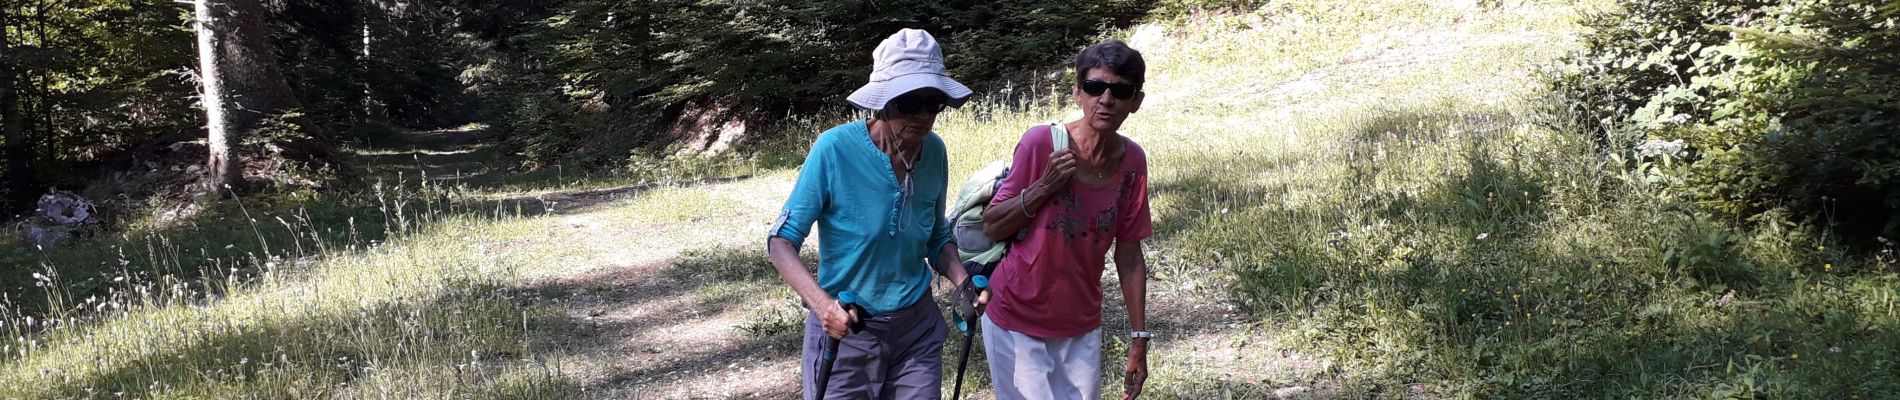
(1115, 56)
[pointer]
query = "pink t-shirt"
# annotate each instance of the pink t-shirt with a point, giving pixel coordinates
(1050, 283)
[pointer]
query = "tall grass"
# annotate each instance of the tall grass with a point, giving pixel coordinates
(295, 309)
(1380, 187)
(1384, 185)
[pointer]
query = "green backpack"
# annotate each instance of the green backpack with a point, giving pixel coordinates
(966, 217)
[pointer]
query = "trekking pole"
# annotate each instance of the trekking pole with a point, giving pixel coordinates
(849, 301)
(970, 327)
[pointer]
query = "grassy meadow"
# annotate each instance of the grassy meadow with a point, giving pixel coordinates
(1352, 200)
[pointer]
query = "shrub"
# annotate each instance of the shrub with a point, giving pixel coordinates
(1787, 105)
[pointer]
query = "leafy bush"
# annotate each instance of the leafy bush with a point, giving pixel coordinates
(391, 63)
(95, 79)
(1787, 105)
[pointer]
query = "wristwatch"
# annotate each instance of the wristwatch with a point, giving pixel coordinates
(1141, 335)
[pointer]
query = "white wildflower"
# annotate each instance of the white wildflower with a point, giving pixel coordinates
(1655, 148)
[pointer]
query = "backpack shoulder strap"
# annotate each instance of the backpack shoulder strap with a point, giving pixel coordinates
(1058, 135)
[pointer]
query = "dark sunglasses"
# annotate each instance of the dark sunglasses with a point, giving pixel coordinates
(1124, 91)
(917, 104)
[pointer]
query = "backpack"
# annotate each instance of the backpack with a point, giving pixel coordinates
(980, 254)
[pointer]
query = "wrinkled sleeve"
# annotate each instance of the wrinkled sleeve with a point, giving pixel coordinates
(809, 196)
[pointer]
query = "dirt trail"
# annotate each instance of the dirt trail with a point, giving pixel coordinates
(688, 308)
(657, 308)
(663, 316)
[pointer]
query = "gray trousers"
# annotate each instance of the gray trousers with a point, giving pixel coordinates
(899, 355)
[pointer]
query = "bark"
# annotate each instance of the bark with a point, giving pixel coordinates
(243, 87)
(43, 105)
(371, 14)
(16, 150)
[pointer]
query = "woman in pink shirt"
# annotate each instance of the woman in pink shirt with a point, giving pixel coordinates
(1070, 206)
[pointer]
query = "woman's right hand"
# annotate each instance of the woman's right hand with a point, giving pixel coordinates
(1062, 166)
(836, 320)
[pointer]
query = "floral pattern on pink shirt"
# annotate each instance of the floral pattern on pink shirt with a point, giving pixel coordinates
(1049, 285)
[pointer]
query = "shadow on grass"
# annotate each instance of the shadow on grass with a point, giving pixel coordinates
(464, 340)
(580, 201)
(1333, 240)
(605, 311)
(1435, 252)
(233, 239)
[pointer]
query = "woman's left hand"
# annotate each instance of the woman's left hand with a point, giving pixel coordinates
(1137, 372)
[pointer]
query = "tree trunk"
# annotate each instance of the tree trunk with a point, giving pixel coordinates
(43, 106)
(246, 100)
(371, 12)
(19, 156)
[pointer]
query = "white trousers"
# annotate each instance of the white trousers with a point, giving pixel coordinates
(1024, 367)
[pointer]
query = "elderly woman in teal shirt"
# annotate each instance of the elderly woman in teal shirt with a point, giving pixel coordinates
(876, 189)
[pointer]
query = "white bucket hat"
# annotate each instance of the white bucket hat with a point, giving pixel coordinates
(908, 60)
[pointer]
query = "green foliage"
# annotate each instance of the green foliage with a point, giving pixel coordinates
(1404, 223)
(105, 81)
(1788, 104)
(569, 82)
(1494, 274)
(278, 153)
(1429, 225)
(98, 77)
(602, 77)
(357, 62)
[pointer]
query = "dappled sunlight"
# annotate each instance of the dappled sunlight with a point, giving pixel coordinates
(418, 153)
(294, 332)
(1350, 200)
(688, 325)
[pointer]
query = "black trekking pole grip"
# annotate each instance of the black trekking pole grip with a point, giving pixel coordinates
(848, 301)
(971, 325)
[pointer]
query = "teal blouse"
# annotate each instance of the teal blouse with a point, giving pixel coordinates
(874, 231)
